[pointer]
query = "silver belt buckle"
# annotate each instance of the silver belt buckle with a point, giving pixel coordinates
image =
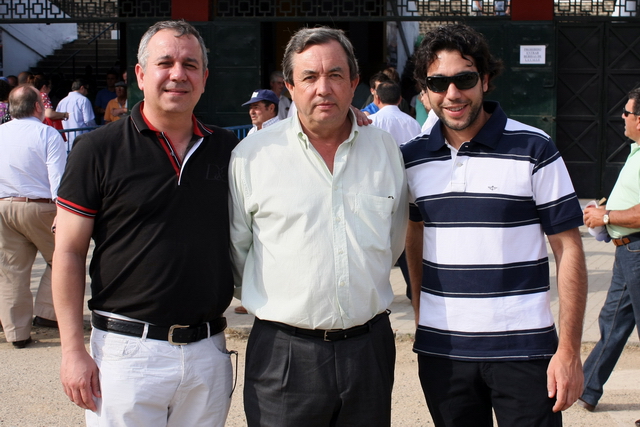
(170, 337)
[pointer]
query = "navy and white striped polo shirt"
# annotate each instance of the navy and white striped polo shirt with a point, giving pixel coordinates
(486, 208)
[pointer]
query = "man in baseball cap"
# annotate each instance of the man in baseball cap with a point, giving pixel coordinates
(263, 109)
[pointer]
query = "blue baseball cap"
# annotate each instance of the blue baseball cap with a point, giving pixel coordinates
(262, 95)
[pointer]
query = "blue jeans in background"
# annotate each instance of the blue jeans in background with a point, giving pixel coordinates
(620, 313)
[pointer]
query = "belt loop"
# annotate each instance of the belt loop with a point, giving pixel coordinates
(145, 331)
(209, 333)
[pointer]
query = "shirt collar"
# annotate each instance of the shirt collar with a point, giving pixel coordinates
(489, 135)
(31, 118)
(389, 107)
(142, 124)
(271, 121)
(302, 137)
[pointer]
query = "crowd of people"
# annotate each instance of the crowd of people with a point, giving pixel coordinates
(303, 220)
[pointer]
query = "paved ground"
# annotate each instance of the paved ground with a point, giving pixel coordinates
(31, 396)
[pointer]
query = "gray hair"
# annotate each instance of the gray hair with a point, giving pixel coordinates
(23, 100)
(276, 75)
(181, 28)
(78, 83)
(306, 37)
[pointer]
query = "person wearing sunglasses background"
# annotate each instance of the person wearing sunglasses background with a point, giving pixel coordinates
(621, 310)
(484, 192)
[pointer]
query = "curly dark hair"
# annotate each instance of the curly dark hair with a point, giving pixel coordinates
(457, 37)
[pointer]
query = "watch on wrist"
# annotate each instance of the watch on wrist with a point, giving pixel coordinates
(605, 218)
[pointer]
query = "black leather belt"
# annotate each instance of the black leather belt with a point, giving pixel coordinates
(626, 239)
(329, 334)
(175, 334)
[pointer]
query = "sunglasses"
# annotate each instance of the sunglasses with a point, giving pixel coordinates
(463, 81)
(626, 113)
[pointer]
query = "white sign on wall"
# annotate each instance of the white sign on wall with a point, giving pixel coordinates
(533, 54)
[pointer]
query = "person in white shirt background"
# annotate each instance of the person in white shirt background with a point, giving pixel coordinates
(79, 107)
(277, 86)
(34, 156)
(389, 117)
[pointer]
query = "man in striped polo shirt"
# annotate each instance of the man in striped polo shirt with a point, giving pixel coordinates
(485, 190)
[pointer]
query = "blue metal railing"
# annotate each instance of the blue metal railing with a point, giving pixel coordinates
(241, 131)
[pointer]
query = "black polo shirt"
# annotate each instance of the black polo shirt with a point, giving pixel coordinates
(161, 227)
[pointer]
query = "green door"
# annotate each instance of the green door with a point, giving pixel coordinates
(234, 69)
(598, 64)
(526, 91)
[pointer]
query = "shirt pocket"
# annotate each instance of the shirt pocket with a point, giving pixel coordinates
(373, 226)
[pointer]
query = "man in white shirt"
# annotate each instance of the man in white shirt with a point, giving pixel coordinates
(79, 107)
(400, 125)
(31, 165)
(277, 86)
(263, 109)
(319, 211)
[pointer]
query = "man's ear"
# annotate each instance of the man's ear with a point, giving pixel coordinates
(289, 87)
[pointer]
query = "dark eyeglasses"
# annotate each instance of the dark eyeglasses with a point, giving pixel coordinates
(626, 113)
(463, 81)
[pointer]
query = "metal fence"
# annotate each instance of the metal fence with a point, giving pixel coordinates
(70, 134)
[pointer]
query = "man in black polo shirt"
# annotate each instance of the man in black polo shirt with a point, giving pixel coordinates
(151, 190)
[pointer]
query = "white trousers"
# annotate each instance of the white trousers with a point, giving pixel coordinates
(147, 382)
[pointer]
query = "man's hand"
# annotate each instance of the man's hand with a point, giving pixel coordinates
(79, 376)
(361, 118)
(592, 216)
(565, 379)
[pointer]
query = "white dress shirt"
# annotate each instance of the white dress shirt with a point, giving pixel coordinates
(310, 248)
(432, 118)
(80, 114)
(32, 161)
(283, 107)
(400, 125)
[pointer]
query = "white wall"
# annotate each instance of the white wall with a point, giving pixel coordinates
(23, 45)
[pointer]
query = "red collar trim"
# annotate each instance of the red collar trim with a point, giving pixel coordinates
(196, 124)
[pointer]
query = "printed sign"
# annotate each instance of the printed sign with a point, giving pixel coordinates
(534, 54)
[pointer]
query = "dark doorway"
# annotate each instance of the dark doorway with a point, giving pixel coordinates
(598, 63)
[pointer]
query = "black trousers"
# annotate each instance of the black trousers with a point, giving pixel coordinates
(304, 381)
(462, 394)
